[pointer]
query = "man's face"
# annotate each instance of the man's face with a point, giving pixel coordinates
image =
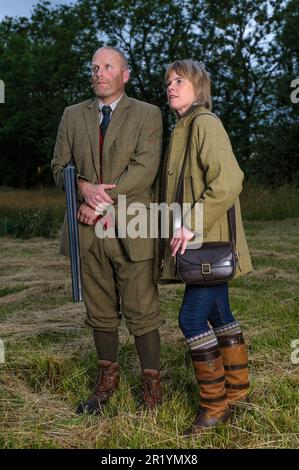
(108, 75)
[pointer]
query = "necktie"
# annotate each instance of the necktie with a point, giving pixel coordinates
(106, 110)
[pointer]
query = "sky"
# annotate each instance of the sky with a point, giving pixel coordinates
(23, 7)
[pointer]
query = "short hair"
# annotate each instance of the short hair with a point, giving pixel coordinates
(119, 52)
(198, 76)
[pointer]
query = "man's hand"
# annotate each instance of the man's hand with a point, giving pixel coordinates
(86, 215)
(180, 239)
(95, 194)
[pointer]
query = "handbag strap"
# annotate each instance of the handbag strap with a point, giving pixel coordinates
(180, 191)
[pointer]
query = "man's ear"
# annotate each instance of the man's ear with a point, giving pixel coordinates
(126, 75)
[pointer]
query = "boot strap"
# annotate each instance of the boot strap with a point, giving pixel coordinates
(212, 381)
(237, 367)
(203, 356)
(229, 341)
(237, 386)
(213, 400)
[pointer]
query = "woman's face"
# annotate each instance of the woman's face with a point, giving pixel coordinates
(180, 93)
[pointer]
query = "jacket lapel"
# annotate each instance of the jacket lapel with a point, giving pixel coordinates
(91, 117)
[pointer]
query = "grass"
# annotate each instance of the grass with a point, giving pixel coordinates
(31, 213)
(39, 213)
(51, 364)
(262, 203)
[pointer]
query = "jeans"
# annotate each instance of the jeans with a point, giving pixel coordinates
(203, 304)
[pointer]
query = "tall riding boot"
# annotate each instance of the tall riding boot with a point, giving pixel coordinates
(151, 388)
(106, 383)
(235, 362)
(209, 372)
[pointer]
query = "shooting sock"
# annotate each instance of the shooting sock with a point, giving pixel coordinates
(148, 348)
(106, 344)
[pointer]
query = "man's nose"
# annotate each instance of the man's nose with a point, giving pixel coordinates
(99, 72)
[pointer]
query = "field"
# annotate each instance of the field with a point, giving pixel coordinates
(50, 360)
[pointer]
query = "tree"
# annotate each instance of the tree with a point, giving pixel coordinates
(249, 48)
(44, 63)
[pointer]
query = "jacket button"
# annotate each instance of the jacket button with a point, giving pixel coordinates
(170, 172)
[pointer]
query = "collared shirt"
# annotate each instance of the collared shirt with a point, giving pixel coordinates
(112, 106)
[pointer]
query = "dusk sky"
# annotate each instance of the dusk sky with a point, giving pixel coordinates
(23, 7)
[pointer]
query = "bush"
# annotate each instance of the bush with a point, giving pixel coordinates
(31, 223)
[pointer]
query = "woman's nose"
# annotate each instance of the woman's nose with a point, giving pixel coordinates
(170, 87)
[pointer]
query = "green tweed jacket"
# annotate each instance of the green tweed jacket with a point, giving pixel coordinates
(130, 159)
(212, 176)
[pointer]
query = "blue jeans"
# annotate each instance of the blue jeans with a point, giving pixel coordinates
(203, 304)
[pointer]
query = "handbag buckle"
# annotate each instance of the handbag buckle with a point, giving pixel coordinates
(206, 268)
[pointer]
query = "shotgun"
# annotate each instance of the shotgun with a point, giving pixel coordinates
(69, 174)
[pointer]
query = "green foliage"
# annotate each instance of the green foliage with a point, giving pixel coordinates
(31, 223)
(250, 49)
(261, 203)
(43, 210)
(44, 64)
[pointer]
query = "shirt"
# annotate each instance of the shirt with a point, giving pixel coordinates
(112, 106)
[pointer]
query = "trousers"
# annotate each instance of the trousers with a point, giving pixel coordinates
(204, 305)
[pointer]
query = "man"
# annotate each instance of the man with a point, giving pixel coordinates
(115, 143)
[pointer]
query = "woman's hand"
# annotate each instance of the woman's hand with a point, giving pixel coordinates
(180, 239)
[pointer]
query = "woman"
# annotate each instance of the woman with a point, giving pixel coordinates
(212, 176)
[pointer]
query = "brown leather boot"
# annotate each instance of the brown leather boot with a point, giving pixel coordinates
(235, 362)
(209, 373)
(151, 388)
(106, 383)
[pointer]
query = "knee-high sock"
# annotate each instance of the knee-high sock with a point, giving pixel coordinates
(148, 349)
(202, 341)
(106, 344)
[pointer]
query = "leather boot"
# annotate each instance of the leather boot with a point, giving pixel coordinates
(151, 388)
(235, 362)
(106, 383)
(209, 372)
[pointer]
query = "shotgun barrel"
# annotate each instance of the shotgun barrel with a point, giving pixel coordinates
(69, 174)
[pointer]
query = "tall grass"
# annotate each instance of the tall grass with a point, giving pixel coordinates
(261, 203)
(31, 213)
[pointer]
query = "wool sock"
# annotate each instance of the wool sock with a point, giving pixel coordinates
(106, 344)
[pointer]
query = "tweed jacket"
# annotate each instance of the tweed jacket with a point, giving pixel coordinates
(212, 176)
(130, 159)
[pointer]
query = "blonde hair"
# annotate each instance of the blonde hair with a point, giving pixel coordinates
(198, 76)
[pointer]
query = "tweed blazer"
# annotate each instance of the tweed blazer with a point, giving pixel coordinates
(130, 159)
(212, 176)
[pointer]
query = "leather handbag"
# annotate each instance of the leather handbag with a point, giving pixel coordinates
(213, 262)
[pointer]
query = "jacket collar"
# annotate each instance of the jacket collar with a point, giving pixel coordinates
(190, 114)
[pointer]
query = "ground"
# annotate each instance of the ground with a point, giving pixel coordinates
(50, 360)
